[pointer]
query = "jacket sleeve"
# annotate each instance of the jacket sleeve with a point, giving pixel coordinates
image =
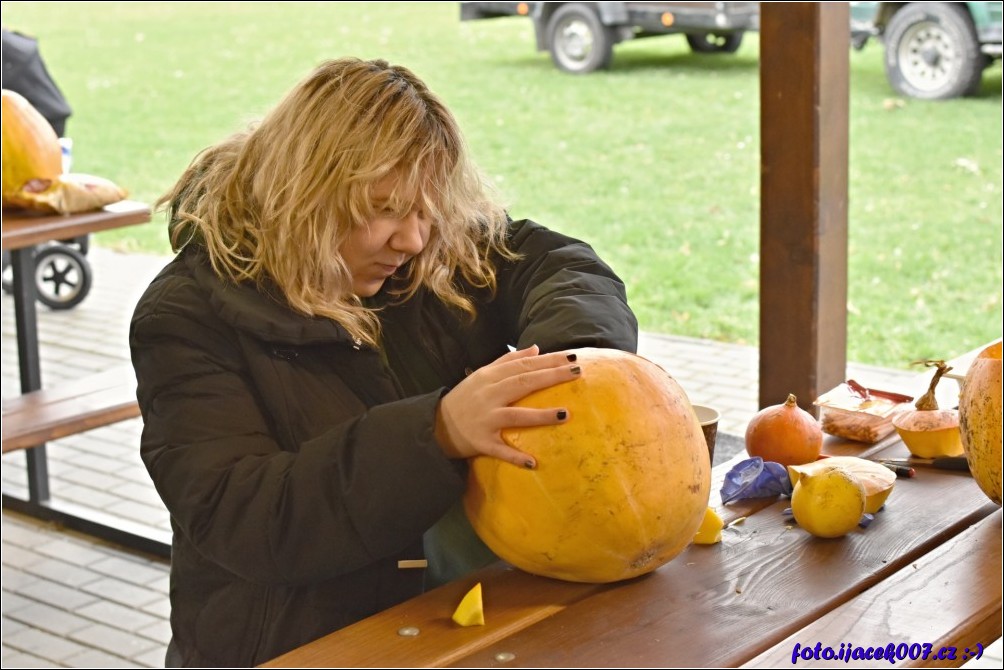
(559, 294)
(362, 490)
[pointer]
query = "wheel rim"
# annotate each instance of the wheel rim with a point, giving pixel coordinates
(59, 279)
(928, 57)
(574, 41)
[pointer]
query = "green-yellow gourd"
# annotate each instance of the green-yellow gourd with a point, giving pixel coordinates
(980, 420)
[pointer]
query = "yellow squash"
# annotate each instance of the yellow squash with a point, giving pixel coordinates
(619, 489)
(828, 502)
(876, 479)
(980, 420)
(30, 149)
(929, 431)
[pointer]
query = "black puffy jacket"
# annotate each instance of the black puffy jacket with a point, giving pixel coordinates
(298, 467)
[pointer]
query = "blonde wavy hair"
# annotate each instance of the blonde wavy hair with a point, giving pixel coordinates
(278, 200)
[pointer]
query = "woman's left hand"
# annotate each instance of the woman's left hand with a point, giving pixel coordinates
(471, 417)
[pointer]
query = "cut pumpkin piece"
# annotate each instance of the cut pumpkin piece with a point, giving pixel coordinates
(710, 531)
(471, 611)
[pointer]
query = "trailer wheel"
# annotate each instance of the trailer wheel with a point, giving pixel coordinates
(707, 43)
(62, 277)
(931, 52)
(578, 41)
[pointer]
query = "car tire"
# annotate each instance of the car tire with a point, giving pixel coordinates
(62, 277)
(711, 43)
(578, 40)
(931, 52)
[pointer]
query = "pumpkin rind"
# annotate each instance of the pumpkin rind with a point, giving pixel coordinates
(619, 489)
(980, 420)
(30, 148)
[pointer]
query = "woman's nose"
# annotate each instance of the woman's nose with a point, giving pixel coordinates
(411, 235)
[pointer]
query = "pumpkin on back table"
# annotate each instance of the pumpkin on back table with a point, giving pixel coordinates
(619, 489)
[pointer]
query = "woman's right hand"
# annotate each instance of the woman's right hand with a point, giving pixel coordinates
(471, 417)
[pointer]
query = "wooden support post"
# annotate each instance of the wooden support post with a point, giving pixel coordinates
(804, 100)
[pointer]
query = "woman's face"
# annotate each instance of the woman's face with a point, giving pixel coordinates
(375, 252)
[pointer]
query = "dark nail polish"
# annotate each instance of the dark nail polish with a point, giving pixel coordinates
(529, 464)
(572, 358)
(562, 415)
(576, 370)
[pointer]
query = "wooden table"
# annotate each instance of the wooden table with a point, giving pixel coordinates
(22, 232)
(927, 570)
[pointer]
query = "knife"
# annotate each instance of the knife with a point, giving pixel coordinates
(941, 463)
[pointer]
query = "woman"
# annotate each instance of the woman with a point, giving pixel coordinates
(326, 350)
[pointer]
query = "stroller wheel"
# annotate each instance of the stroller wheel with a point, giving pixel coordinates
(62, 277)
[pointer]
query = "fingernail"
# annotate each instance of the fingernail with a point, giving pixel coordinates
(576, 370)
(562, 415)
(529, 464)
(572, 358)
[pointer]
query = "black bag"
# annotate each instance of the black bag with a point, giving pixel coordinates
(24, 72)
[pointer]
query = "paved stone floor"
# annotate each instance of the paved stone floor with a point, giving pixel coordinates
(72, 601)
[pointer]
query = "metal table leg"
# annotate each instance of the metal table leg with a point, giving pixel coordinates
(26, 320)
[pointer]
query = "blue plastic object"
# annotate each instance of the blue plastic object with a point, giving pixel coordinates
(755, 478)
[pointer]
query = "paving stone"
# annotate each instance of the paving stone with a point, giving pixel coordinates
(160, 608)
(42, 644)
(121, 592)
(153, 658)
(113, 640)
(55, 570)
(159, 631)
(19, 557)
(95, 658)
(130, 569)
(66, 549)
(85, 496)
(17, 532)
(55, 594)
(48, 618)
(19, 659)
(11, 625)
(13, 602)
(14, 579)
(118, 616)
(140, 491)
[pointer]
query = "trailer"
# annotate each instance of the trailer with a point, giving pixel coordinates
(580, 36)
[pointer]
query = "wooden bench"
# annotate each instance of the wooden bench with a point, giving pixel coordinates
(74, 407)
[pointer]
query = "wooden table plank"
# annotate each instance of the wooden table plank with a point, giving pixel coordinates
(949, 598)
(515, 601)
(24, 229)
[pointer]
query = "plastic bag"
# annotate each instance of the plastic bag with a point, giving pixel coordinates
(69, 193)
(755, 478)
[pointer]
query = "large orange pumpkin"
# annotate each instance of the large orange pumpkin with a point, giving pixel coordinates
(980, 420)
(30, 149)
(619, 489)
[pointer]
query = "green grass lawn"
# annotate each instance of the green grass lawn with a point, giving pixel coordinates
(654, 162)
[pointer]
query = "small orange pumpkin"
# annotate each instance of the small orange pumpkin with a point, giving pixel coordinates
(30, 149)
(619, 489)
(785, 434)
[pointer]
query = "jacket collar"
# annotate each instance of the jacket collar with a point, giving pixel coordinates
(261, 311)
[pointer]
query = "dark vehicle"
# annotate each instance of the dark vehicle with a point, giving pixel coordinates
(581, 35)
(933, 50)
